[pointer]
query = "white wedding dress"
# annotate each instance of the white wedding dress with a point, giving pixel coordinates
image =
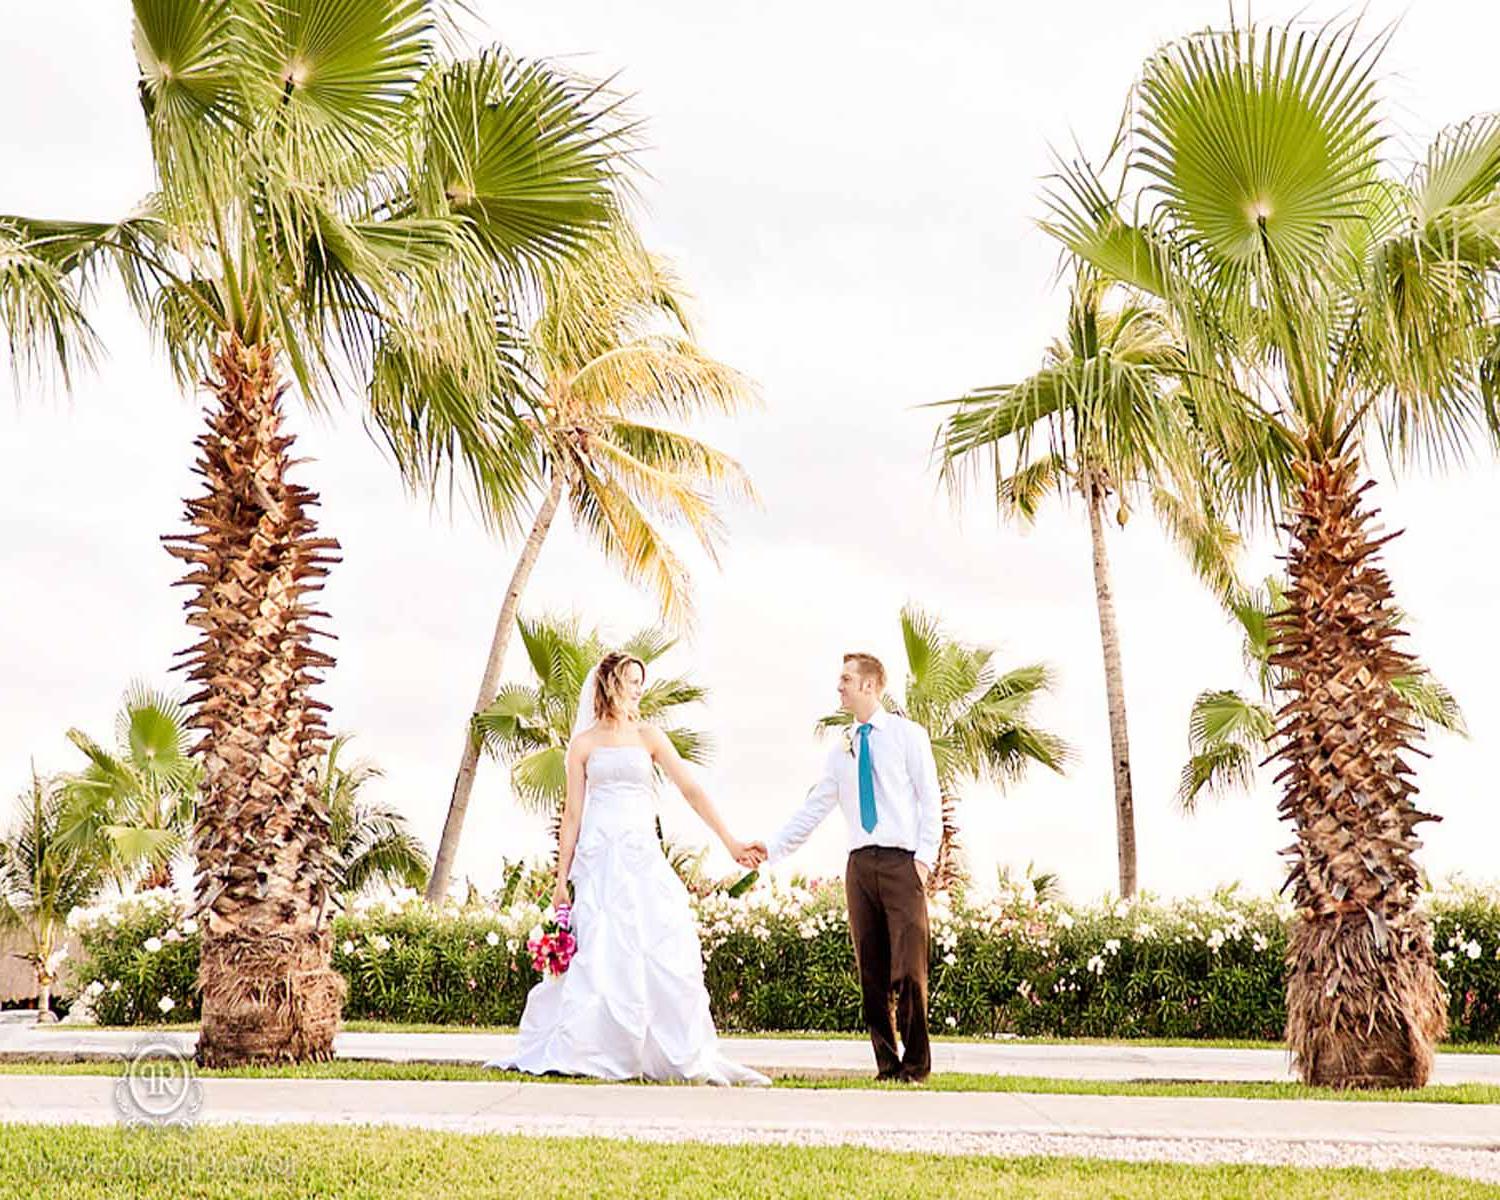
(632, 1002)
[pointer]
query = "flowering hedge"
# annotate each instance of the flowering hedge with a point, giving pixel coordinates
(779, 958)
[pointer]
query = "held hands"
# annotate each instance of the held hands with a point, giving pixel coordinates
(749, 855)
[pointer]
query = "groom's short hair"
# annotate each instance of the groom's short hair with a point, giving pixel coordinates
(867, 666)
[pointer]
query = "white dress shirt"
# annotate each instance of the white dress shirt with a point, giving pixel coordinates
(908, 805)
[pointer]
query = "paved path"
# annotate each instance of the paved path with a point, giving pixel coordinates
(1464, 1139)
(1120, 1061)
(495, 1107)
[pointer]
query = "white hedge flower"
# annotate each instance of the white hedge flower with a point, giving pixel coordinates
(152, 944)
(189, 926)
(1065, 919)
(166, 1004)
(1473, 950)
(348, 946)
(1112, 946)
(1260, 942)
(492, 938)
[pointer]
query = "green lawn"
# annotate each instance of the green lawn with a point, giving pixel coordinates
(1469, 1093)
(292, 1162)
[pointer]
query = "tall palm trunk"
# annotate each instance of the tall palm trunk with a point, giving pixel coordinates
(261, 835)
(1364, 1002)
(489, 685)
(949, 870)
(1114, 687)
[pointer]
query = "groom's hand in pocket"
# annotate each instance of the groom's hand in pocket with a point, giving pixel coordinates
(923, 873)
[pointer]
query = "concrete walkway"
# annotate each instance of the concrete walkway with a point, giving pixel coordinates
(792, 1055)
(503, 1106)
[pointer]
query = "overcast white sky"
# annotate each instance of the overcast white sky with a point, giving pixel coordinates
(849, 190)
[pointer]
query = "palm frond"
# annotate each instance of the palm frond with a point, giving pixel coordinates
(1209, 544)
(1226, 767)
(1435, 706)
(539, 780)
(527, 154)
(1225, 717)
(628, 538)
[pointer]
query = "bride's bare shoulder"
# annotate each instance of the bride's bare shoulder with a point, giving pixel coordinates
(581, 745)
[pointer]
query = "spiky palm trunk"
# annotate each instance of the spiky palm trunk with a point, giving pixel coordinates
(261, 836)
(489, 685)
(1364, 1002)
(1114, 688)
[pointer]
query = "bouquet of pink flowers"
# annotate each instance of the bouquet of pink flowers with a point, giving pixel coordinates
(552, 944)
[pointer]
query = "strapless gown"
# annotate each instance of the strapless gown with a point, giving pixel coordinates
(632, 1002)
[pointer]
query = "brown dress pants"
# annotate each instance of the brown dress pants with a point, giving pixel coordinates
(888, 921)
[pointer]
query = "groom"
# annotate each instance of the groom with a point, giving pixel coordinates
(885, 780)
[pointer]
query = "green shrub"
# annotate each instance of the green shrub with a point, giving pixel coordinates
(779, 958)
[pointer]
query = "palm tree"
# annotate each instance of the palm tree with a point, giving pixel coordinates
(1325, 298)
(1104, 420)
(334, 205)
(979, 722)
(136, 803)
(528, 726)
(613, 349)
(372, 842)
(43, 878)
(1230, 733)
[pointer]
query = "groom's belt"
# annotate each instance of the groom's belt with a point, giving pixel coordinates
(883, 850)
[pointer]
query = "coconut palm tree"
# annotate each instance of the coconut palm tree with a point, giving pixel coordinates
(528, 725)
(1230, 733)
(372, 842)
(335, 206)
(979, 722)
(136, 802)
(614, 350)
(1326, 297)
(43, 878)
(1105, 420)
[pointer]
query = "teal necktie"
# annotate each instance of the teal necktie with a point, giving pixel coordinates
(866, 780)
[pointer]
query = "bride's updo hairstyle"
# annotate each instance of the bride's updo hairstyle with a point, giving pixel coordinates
(609, 685)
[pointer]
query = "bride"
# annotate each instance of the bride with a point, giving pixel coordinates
(632, 1002)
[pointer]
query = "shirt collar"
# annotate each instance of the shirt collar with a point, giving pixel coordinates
(878, 719)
